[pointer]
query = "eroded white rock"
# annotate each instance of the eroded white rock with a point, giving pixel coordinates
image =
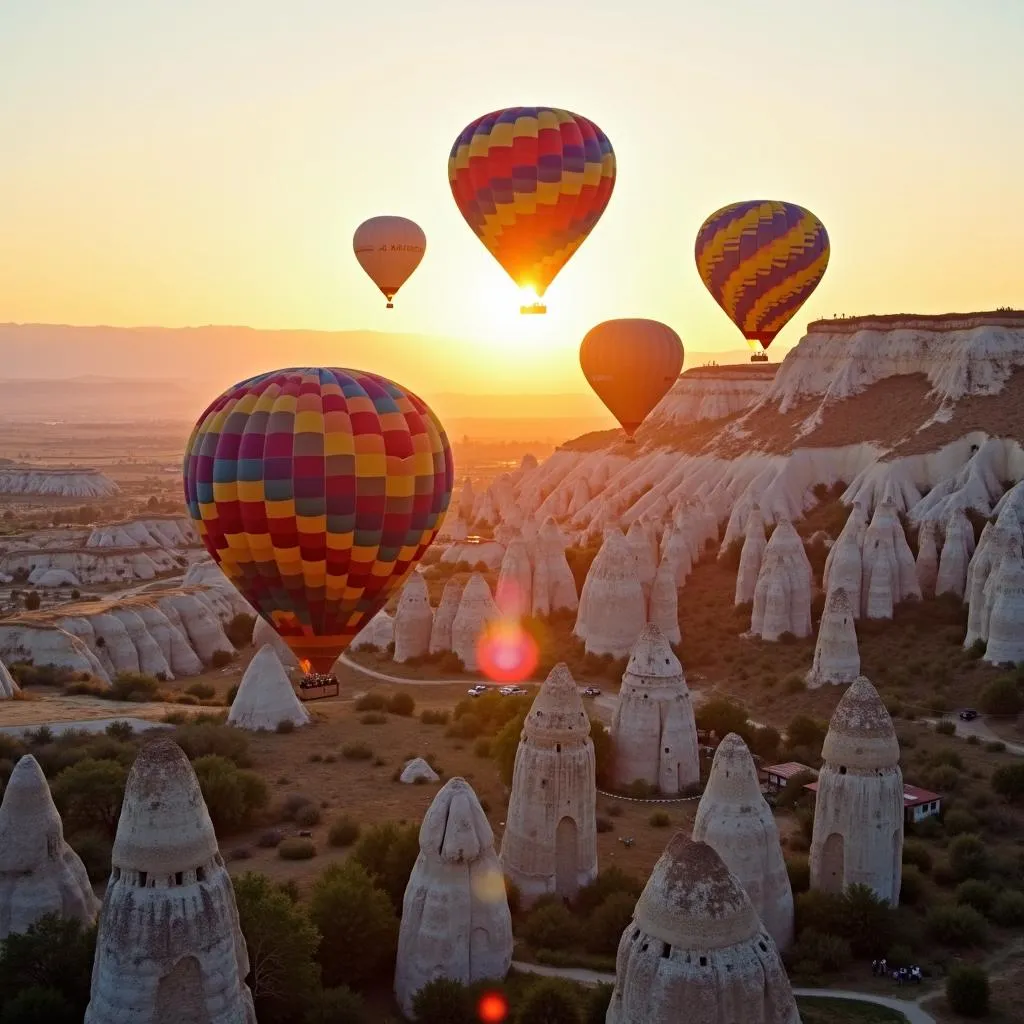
(265, 696)
(414, 620)
(836, 655)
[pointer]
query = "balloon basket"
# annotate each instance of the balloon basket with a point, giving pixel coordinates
(390, 305)
(759, 357)
(533, 309)
(315, 686)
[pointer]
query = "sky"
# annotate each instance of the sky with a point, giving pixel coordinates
(187, 162)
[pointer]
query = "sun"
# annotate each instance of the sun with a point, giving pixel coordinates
(493, 308)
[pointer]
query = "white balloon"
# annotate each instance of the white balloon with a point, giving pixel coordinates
(389, 249)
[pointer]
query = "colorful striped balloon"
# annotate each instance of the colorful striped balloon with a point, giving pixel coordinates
(631, 365)
(317, 492)
(761, 260)
(532, 182)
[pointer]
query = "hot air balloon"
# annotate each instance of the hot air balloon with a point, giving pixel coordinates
(389, 249)
(761, 260)
(532, 182)
(317, 491)
(631, 365)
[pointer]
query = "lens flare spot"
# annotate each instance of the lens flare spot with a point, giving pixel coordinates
(493, 1008)
(488, 886)
(506, 653)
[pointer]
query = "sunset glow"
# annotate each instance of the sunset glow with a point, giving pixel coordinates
(192, 165)
(506, 652)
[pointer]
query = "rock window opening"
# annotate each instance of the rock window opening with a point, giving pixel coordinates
(842, 769)
(558, 748)
(763, 947)
(703, 961)
(636, 935)
(666, 750)
(201, 874)
(179, 877)
(666, 951)
(142, 879)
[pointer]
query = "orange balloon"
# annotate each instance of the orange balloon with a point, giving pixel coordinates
(631, 365)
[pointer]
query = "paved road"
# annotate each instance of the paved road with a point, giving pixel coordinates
(911, 1010)
(980, 729)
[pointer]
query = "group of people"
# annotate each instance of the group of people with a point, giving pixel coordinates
(901, 975)
(311, 680)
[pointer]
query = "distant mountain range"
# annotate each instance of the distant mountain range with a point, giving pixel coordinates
(119, 374)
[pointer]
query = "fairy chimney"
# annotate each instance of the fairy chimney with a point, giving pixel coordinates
(169, 946)
(39, 873)
(444, 617)
(663, 606)
(836, 655)
(550, 840)
(754, 543)
(696, 941)
(476, 610)
(653, 732)
(734, 818)
(414, 619)
(514, 593)
(455, 915)
(265, 697)
(613, 609)
(858, 817)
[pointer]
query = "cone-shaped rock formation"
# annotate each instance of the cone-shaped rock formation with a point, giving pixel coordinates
(734, 818)
(754, 543)
(476, 610)
(663, 606)
(550, 840)
(39, 873)
(413, 619)
(836, 655)
(265, 697)
(169, 946)
(8, 687)
(444, 617)
(858, 817)
(613, 609)
(696, 949)
(653, 732)
(455, 916)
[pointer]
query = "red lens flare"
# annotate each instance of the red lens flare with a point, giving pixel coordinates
(493, 1008)
(506, 653)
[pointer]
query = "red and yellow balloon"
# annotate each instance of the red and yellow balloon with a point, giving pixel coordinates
(532, 182)
(631, 365)
(317, 491)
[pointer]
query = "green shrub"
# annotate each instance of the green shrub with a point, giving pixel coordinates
(957, 926)
(1008, 909)
(221, 659)
(956, 822)
(977, 894)
(968, 857)
(603, 824)
(201, 738)
(133, 686)
(967, 991)
(912, 886)
(286, 725)
(35, 1004)
(373, 718)
(430, 717)
(443, 1001)
(401, 704)
(607, 923)
(204, 691)
(550, 1001)
(94, 849)
(482, 747)
(659, 819)
(308, 815)
(1001, 697)
(296, 848)
(338, 1005)
(239, 629)
(233, 796)
(551, 926)
(344, 831)
(945, 728)
(825, 951)
(917, 854)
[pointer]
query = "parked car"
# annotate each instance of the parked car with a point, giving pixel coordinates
(969, 714)
(591, 691)
(475, 691)
(517, 691)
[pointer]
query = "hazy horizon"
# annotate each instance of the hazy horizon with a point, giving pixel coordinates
(208, 165)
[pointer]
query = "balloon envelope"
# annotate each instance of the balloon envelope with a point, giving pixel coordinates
(631, 365)
(389, 249)
(761, 260)
(317, 491)
(532, 182)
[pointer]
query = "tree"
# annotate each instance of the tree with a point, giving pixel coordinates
(1008, 782)
(35, 1005)
(282, 944)
(337, 1006)
(32, 601)
(549, 1002)
(388, 852)
(804, 731)
(967, 991)
(968, 857)
(1001, 697)
(443, 1001)
(722, 717)
(551, 925)
(608, 922)
(357, 923)
(867, 920)
(598, 1001)
(89, 795)
(232, 795)
(610, 880)
(239, 629)
(505, 745)
(55, 954)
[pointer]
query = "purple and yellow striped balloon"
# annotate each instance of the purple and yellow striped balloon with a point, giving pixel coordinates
(761, 260)
(317, 491)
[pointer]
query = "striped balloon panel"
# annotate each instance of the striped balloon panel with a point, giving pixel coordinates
(317, 491)
(532, 182)
(761, 260)
(631, 364)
